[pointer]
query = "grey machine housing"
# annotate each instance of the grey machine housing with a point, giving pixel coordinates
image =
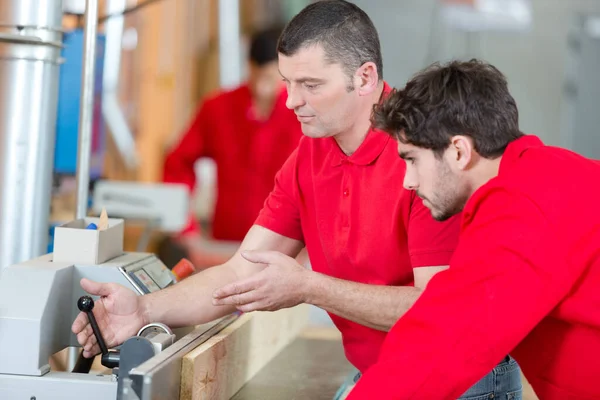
(38, 304)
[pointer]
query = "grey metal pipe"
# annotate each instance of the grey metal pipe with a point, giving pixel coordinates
(86, 111)
(30, 48)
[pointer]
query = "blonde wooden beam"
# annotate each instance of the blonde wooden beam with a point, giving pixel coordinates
(218, 368)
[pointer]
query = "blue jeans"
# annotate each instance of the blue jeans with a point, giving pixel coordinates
(348, 384)
(502, 383)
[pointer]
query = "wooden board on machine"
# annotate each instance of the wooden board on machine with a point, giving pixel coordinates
(218, 368)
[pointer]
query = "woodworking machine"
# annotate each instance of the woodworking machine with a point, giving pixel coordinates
(39, 300)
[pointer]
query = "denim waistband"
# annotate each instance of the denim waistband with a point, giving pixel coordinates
(507, 364)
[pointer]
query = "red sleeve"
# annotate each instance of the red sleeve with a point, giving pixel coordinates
(192, 226)
(280, 212)
(508, 272)
(180, 161)
(430, 242)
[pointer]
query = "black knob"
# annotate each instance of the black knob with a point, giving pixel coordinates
(85, 304)
(109, 360)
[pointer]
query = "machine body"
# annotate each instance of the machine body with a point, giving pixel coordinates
(38, 304)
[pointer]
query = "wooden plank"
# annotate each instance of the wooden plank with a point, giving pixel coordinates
(218, 368)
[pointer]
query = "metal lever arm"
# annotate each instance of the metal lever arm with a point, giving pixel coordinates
(110, 359)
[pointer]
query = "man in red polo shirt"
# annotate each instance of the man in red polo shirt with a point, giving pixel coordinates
(249, 133)
(372, 244)
(525, 276)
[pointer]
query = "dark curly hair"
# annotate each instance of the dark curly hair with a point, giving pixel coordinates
(469, 98)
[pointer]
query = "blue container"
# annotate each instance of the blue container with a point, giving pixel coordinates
(51, 237)
(69, 94)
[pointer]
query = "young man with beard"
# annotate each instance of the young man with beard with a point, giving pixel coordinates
(524, 278)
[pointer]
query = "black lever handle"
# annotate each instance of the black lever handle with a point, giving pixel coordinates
(109, 359)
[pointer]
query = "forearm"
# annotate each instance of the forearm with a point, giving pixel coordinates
(375, 306)
(189, 302)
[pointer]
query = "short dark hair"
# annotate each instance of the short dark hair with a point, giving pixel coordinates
(346, 33)
(263, 45)
(461, 97)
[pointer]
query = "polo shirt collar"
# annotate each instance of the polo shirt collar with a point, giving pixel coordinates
(369, 150)
(516, 148)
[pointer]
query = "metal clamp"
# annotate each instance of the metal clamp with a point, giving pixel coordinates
(155, 327)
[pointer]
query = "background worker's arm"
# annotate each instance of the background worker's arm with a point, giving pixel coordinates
(190, 301)
(180, 161)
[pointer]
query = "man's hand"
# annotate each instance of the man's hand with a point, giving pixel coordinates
(281, 284)
(119, 314)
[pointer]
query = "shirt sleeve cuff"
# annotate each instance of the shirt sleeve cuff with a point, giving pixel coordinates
(277, 227)
(192, 228)
(431, 258)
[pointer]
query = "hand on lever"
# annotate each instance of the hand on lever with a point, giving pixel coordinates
(118, 313)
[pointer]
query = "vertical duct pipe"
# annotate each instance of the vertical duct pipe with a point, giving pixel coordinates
(30, 46)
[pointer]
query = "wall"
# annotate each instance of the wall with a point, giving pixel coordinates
(534, 63)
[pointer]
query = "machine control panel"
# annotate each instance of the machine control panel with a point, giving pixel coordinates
(148, 274)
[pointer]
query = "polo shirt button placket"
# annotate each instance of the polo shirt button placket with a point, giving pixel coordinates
(345, 210)
(345, 191)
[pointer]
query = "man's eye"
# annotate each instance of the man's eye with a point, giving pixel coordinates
(308, 86)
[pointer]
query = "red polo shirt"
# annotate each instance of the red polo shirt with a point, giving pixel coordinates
(524, 280)
(357, 222)
(248, 153)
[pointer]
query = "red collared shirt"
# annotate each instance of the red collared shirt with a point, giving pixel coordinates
(524, 280)
(357, 221)
(248, 153)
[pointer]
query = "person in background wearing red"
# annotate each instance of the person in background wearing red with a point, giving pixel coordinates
(524, 279)
(249, 133)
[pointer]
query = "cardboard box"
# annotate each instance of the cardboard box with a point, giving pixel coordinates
(75, 244)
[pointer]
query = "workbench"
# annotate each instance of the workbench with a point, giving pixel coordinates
(313, 366)
(267, 356)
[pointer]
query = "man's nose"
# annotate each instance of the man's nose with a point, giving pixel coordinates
(410, 181)
(294, 98)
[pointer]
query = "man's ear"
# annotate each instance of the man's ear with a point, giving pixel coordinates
(366, 78)
(461, 151)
